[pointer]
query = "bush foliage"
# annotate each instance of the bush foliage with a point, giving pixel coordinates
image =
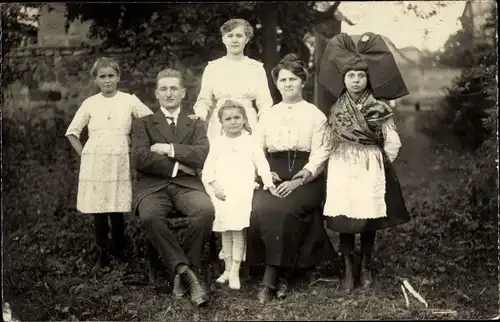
(468, 112)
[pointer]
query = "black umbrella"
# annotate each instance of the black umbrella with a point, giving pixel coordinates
(369, 50)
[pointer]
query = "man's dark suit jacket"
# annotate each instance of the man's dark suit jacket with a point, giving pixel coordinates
(154, 171)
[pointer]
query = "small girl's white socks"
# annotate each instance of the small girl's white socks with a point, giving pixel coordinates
(238, 252)
(227, 247)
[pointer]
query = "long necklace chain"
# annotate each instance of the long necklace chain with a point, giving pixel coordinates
(292, 164)
(288, 124)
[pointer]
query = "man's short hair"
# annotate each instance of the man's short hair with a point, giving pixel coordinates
(171, 72)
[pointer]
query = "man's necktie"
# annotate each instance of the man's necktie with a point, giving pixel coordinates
(172, 123)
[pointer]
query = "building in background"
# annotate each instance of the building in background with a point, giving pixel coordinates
(51, 29)
(53, 32)
(475, 17)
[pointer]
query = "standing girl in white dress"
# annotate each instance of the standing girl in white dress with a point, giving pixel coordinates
(233, 77)
(104, 181)
(229, 176)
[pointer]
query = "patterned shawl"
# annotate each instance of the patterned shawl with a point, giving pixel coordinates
(355, 121)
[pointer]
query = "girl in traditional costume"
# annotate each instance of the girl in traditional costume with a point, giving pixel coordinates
(363, 191)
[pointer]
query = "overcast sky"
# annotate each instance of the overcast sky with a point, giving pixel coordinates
(387, 18)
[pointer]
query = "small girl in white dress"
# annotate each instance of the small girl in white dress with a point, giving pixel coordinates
(104, 181)
(229, 177)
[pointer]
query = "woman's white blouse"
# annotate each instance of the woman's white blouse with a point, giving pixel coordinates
(300, 126)
(241, 80)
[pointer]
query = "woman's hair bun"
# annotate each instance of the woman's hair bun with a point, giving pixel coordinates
(293, 63)
(291, 57)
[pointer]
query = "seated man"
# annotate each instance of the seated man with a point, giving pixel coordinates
(167, 147)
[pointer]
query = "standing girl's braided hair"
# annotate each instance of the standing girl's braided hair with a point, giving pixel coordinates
(233, 104)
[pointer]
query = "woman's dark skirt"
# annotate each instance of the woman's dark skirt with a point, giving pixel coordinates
(289, 232)
(397, 212)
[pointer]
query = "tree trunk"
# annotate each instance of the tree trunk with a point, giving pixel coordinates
(269, 16)
(323, 99)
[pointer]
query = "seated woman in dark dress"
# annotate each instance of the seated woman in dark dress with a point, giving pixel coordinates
(286, 229)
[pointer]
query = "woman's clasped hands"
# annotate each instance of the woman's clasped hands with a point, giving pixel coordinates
(285, 188)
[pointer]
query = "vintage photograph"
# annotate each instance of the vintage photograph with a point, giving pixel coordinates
(236, 161)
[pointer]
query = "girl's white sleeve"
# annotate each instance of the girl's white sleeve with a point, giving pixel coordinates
(263, 98)
(259, 133)
(80, 120)
(208, 173)
(204, 101)
(392, 142)
(139, 109)
(261, 164)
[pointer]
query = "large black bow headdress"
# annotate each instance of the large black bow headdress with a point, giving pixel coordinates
(371, 54)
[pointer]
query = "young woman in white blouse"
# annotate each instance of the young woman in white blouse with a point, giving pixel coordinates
(233, 77)
(286, 231)
(363, 192)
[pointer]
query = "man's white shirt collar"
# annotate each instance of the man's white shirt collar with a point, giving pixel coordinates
(174, 113)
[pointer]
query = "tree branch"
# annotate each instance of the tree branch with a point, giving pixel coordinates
(319, 16)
